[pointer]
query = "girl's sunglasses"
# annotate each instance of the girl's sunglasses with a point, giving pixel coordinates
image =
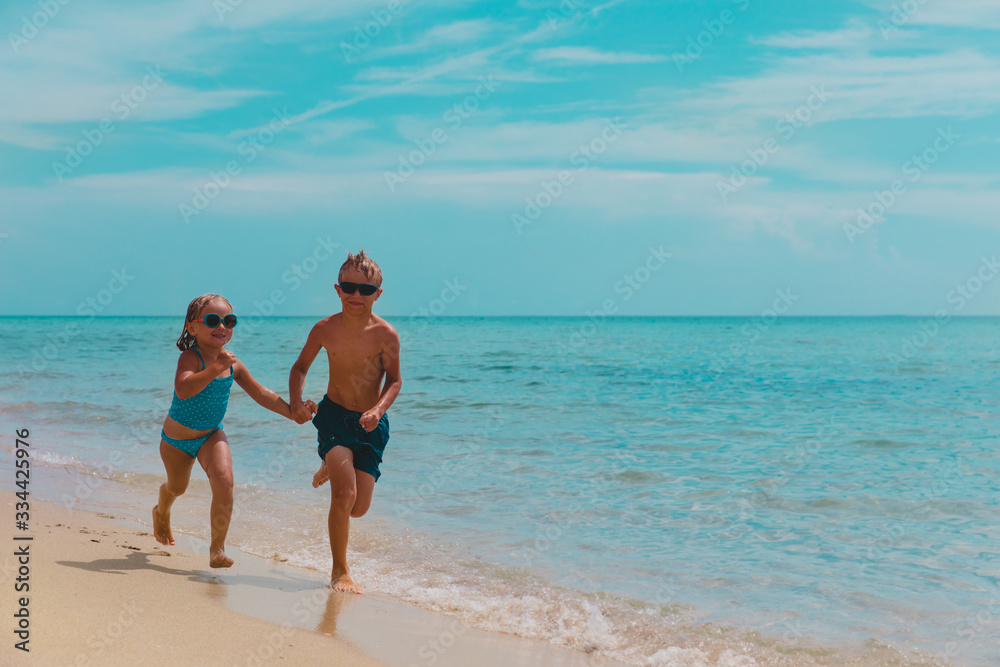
(351, 288)
(212, 320)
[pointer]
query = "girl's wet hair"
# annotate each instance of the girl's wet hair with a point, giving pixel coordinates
(186, 341)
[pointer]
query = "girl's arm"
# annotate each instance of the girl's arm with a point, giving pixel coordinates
(258, 392)
(191, 378)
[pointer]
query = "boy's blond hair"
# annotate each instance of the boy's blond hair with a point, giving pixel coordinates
(363, 263)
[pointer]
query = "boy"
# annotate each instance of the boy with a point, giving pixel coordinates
(353, 428)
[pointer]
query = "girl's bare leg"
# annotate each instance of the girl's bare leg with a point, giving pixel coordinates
(217, 461)
(178, 466)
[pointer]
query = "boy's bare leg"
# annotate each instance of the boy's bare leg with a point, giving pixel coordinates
(321, 476)
(178, 466)
(217, 461)
(366, 487)
(343, 494)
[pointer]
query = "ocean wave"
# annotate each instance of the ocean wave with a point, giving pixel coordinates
(55, 459)
(496, 598)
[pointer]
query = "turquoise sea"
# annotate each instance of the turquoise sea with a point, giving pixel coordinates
(663, 491)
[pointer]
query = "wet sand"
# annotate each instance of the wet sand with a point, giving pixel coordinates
(104, 592)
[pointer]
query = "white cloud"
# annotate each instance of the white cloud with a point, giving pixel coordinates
(325, 132)
(555, 143)
(970, 205)
(468, 66)
(359, 12)
(78, 69)
(65, 99)
(855, 35)
(442, 36)
(596, 11)
(958, 84)
(587, 56)
(984, 14)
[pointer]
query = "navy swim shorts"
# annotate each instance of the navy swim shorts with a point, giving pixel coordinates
(339, 426)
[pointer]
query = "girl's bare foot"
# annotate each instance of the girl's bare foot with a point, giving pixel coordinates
(344, 584)
(219, 559)
(321, 476)
(161, 527)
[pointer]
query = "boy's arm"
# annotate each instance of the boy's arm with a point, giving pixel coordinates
(258, 392)
(297, 376)
(393, 383)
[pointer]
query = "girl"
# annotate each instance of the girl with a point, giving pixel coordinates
(193, 427)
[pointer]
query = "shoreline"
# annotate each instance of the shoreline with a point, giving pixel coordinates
(103, 591)
(288, 598)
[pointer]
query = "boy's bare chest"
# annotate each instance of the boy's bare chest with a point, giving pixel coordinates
(346, 353)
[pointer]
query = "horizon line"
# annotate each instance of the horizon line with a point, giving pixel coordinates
(585, 316)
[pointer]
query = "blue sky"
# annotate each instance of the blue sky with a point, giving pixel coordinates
(650, 158)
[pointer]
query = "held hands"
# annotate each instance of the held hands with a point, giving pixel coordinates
(369, 420)
(303, 411)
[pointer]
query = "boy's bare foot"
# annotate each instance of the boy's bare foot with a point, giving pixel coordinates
(345, 584)
(321, 476)
(220, 559)
(161, 527)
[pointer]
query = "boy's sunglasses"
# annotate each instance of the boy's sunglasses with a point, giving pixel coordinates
(351, 288)
(212, 320)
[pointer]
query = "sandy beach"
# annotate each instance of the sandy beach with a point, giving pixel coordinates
(103, 592)
(650, 333)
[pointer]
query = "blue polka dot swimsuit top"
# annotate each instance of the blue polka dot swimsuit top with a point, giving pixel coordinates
(206, 408)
